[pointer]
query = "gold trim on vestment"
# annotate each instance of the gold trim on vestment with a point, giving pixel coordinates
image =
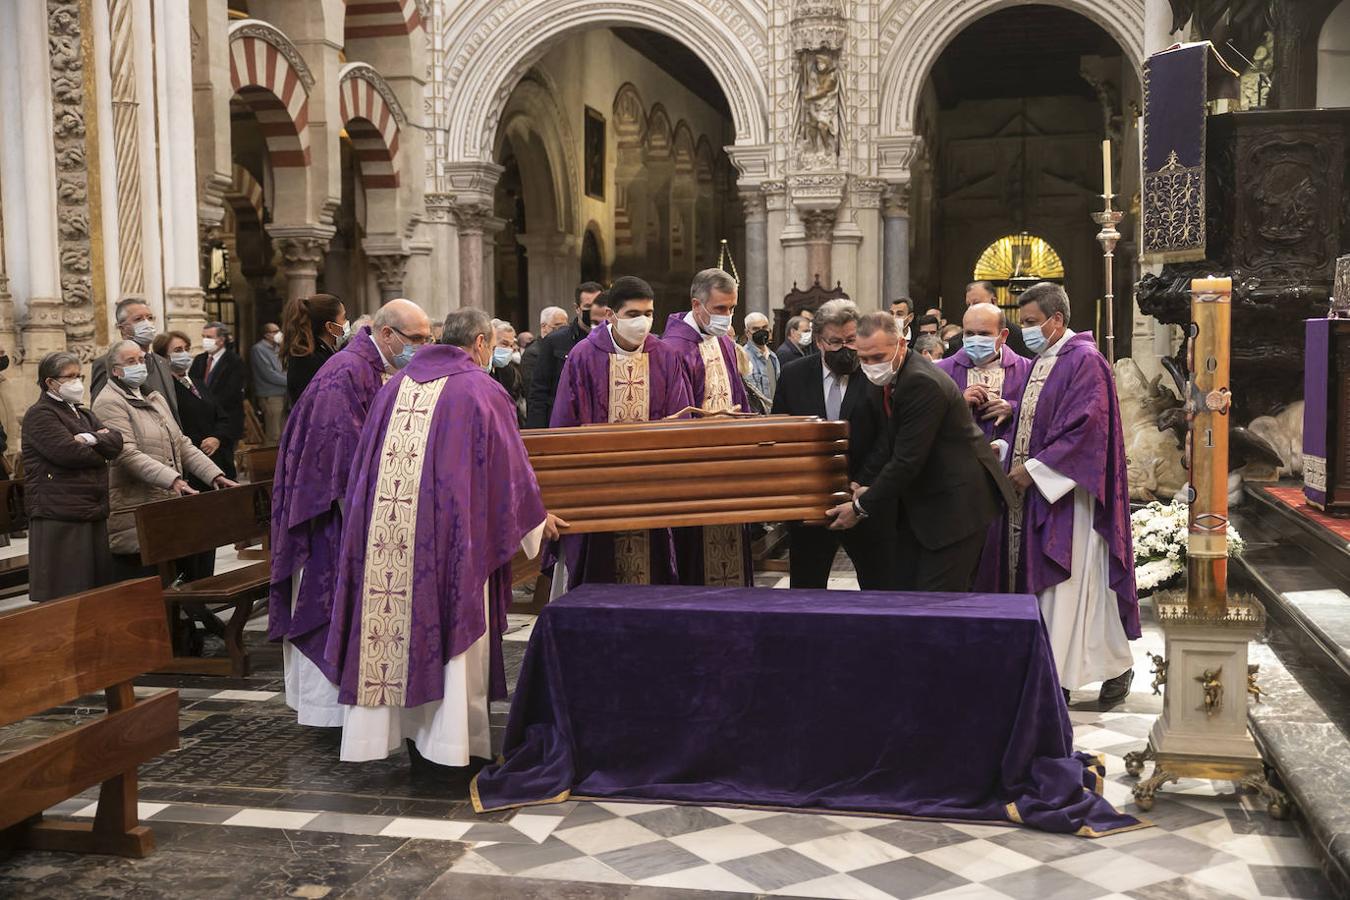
(387, 583)
(630, 401)
(1026, 420)
(723, 559)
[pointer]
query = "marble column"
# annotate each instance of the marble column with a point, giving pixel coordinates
(473, 279)
(491, 228)
(819, 225)
(390, 269)
(442, 228)
(895, 216)
(775, 207)
(302, 249)
(554, 267)
(755, 293)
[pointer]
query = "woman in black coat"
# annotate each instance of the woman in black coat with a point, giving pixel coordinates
(66, 451)
(311, 328)
(204, 421)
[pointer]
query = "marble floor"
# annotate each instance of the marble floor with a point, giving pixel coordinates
(253, 805)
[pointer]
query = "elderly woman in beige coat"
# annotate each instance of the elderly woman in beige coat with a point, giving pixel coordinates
(156, 455)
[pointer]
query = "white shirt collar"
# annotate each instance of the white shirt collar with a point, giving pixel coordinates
(215, 357)
(383, 360)
(693, 323)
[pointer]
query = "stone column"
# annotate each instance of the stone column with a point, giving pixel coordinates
(302, 248)
(865, 195)
(390, 269)
(895, 216)
(756, 288)
(554, 266)
(492, 226)
(775, 209)
(442, 227)
(819, 225)
(473, 221)
(12, 391)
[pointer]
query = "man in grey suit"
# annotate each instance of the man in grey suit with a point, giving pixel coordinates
(136, 322)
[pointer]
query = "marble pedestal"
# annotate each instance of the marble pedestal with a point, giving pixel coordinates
(1202, 732)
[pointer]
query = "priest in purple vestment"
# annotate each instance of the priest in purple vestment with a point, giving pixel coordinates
(717, 554)
(314, 459)
(620, 373)
(442, 496)
(991, 377)
(1070, 537)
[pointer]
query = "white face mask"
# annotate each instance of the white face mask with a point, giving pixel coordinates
(208, 345)
(804, 338)
(143, 332)
(633, 331)
(718, 325)
(181, 361)
(881, 373)
(276, 336)
(515, 357)
(71, 391)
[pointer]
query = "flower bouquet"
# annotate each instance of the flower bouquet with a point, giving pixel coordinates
(1159, 531)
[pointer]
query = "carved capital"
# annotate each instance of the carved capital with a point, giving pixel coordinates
(440, 209)
(185, 303)
(819, 224)
(389, 271)
(301, 246)
(775, 195)
(756, 207)
(867, 192)
(896, 201)
(473, 218)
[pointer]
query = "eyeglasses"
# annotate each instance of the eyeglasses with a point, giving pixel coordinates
(416, 340)
(836, 343)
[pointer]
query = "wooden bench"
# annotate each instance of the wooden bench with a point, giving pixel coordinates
(169, 530)
(256, 463)
(53, 653)
(14, 569)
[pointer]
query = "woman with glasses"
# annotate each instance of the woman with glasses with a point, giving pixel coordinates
(66, 451)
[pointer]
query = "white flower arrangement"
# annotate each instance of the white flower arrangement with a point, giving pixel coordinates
(1159, 532)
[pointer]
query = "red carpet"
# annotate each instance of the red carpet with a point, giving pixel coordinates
(1293, 498)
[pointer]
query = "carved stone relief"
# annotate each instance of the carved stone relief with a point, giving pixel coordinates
(72, 186)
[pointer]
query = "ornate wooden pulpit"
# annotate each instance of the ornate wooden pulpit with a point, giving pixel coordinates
(797, 300)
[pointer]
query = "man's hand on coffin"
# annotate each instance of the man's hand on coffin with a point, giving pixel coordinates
(844, 516)
(553, 526)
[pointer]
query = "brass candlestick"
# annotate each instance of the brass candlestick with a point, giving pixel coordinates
(1108, 237)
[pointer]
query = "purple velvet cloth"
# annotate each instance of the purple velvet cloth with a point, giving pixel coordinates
(935, 705)
(992, 574)
(314, 459)
(1316, 396)
(477, 501)
(583, 399)
(1077, 433)
(685, 339)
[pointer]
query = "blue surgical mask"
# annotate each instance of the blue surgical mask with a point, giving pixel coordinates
(405, 355)
(180, 360)
(134, 376)
(501, 357)
(718, 325)
(979, 347)
(1034, 338)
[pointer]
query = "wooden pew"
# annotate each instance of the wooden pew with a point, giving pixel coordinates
(13, 570)
(256, 463)
(172, 529)
(52, 653)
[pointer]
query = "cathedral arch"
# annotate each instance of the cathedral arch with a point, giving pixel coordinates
(917, 31)
(501, 39)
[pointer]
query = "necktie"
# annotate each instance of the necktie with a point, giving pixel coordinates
(886, 398)
(833, 400)
(210, 361)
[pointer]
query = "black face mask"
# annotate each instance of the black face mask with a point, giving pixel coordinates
(843, 361)
(760, 337)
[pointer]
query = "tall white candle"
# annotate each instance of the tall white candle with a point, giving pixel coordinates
(1106, 168)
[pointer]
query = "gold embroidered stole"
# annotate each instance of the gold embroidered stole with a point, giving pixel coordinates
(990, 377)
(1031, 398)
(723, 562)
(387, 586)
(630, 401)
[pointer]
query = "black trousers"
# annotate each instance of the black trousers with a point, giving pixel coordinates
(948, 569)
(870, 545)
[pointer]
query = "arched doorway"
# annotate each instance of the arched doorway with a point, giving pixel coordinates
(1013, 118)
(616, 179)
(1014, 263)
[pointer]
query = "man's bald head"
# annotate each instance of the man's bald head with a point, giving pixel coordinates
(404, 315)
(984, 318)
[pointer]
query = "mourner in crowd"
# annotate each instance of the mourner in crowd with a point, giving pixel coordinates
(553, 352)
(269, 381)
(313, 326)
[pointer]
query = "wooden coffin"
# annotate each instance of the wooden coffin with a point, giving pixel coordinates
(682, 472)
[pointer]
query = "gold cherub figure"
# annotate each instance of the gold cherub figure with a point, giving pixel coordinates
(1209, 680)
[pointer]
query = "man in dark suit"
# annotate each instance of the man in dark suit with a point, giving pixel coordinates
(221, 370)
(797, 342)
(553, 352)
(937, 468)
(136, 322)
(829, 385)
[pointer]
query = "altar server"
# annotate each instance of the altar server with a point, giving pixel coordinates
(1070, 536)
(314, 461)
(441, 497)
(716, 554)
(621, 372)
(991, 378)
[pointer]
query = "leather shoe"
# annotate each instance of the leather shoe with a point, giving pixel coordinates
(1116, 689)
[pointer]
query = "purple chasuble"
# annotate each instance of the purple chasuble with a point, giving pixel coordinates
(690, 547)
(1077, 433)
(314, 460)
(992, 574)
(584, 399)
(441, 517)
